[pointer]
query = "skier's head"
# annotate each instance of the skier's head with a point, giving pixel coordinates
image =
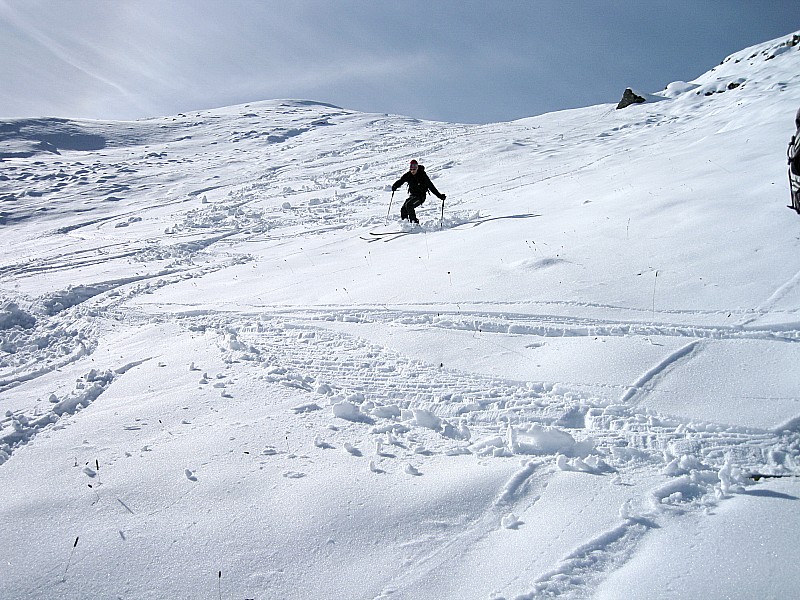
(413, 166)
(797, 118)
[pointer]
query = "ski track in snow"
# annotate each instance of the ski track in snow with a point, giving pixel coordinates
(411, 409)
(360, 397)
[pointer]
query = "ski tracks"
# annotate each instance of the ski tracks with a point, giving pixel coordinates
(410, 410)
(588, 565)
(779, 294)
(685, 352)
(361, 395)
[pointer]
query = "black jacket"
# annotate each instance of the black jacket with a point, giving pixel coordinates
(418, 185)
(793, 151)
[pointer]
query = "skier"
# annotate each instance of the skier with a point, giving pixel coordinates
(793, 154)
(418, 186)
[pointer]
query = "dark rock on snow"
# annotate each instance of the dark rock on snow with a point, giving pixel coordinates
(629, 97)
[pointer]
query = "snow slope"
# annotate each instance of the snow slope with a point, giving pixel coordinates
(215, 382)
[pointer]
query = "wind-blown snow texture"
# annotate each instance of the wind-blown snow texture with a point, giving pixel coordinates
(573, 385)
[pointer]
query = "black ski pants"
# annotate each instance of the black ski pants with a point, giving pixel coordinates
(407, 210)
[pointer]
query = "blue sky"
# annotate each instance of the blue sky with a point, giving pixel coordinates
(463, 61)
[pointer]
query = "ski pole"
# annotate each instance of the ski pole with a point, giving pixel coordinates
(390, 205)
(441, 221)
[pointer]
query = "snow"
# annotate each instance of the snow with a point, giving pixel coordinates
(580, 382)
(744, 525)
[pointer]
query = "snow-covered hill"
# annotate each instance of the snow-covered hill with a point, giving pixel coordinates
(570, 380)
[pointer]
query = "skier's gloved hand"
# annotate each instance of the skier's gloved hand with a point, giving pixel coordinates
(394, 188)
(443, 197)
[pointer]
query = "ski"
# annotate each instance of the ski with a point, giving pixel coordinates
(390, 235)
(381, 233)
(384, 236)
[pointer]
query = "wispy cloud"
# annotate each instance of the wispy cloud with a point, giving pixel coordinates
(451, 59)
